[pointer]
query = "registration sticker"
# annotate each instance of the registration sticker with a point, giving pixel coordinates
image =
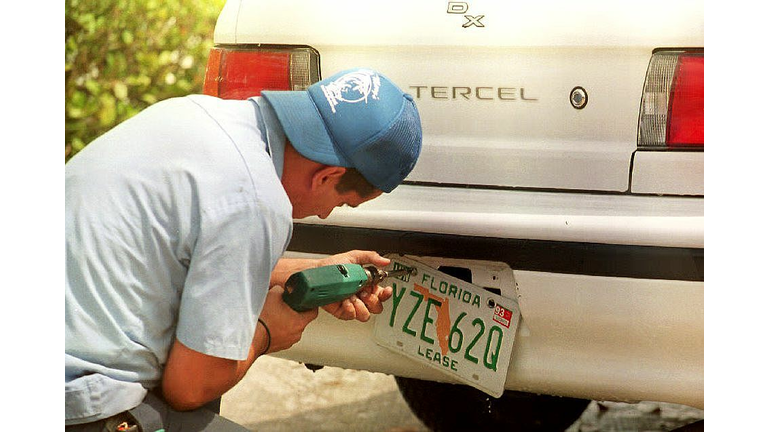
(453, 326)
(502, 316)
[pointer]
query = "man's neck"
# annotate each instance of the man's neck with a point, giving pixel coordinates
(275, 136)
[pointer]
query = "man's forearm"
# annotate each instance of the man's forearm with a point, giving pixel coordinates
(191, 379)
(287, 266)
(259, 346)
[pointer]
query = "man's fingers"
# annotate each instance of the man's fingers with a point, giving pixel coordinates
(376, 259)
(383, 293)
(352, 308)
(361, 310)
(368, 257)
(360, 306)
(371, 301)
(345, 310)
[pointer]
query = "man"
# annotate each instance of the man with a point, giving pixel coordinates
(176, 221)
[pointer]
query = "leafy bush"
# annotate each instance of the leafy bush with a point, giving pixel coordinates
(124, 55)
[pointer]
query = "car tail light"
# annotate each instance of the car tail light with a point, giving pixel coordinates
(672, 108)
(242, 72)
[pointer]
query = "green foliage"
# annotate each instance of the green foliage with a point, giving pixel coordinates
(124, 55)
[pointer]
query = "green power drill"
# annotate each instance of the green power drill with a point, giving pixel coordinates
(320, 286)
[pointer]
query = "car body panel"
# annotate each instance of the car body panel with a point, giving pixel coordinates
(556, 23)
(604, 242)
(659, 173)
(494, 101)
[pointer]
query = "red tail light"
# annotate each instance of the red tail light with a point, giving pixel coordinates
(672, 109)
(244, 72)
(686, 103)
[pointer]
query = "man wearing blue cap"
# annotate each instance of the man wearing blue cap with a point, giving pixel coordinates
(176, 221)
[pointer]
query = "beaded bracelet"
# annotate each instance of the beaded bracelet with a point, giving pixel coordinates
(269, 337)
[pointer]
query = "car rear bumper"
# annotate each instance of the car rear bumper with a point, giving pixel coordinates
(600, 338)
(599, 321)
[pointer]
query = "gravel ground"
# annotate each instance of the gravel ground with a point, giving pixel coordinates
(280, 395)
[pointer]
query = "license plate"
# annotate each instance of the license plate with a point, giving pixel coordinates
(450, 325)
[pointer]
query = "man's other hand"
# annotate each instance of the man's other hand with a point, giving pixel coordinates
(367, 301)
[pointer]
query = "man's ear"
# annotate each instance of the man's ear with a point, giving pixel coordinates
(326, 176)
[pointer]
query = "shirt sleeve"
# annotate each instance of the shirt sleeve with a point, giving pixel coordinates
(237, 247)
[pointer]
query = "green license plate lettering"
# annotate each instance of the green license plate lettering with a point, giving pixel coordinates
(428, 320)
(395, 302)
(495, 353)
(467, 355)
(456, 331)
(419, 299)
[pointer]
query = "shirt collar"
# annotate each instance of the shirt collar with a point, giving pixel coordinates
(273, 132)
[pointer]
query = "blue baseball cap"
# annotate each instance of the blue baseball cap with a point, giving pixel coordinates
(357, 118)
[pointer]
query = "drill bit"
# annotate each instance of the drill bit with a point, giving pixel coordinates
(376, 275)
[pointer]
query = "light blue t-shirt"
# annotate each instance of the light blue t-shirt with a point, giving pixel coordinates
(174, 222)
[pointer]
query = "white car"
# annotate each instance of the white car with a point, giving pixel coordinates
(562, 167)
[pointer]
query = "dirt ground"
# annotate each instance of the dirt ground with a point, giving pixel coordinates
(284, 396)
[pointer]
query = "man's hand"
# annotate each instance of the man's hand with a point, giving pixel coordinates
(285, 324)
(369, 300)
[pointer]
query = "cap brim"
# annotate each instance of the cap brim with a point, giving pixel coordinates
(304, 126)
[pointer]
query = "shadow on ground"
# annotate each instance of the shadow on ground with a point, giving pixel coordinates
(381, 413)
(283, 396)
(386, 413)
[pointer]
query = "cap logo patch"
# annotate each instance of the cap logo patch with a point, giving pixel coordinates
(353, 87)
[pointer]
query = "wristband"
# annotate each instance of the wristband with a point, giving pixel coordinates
(269, 337)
